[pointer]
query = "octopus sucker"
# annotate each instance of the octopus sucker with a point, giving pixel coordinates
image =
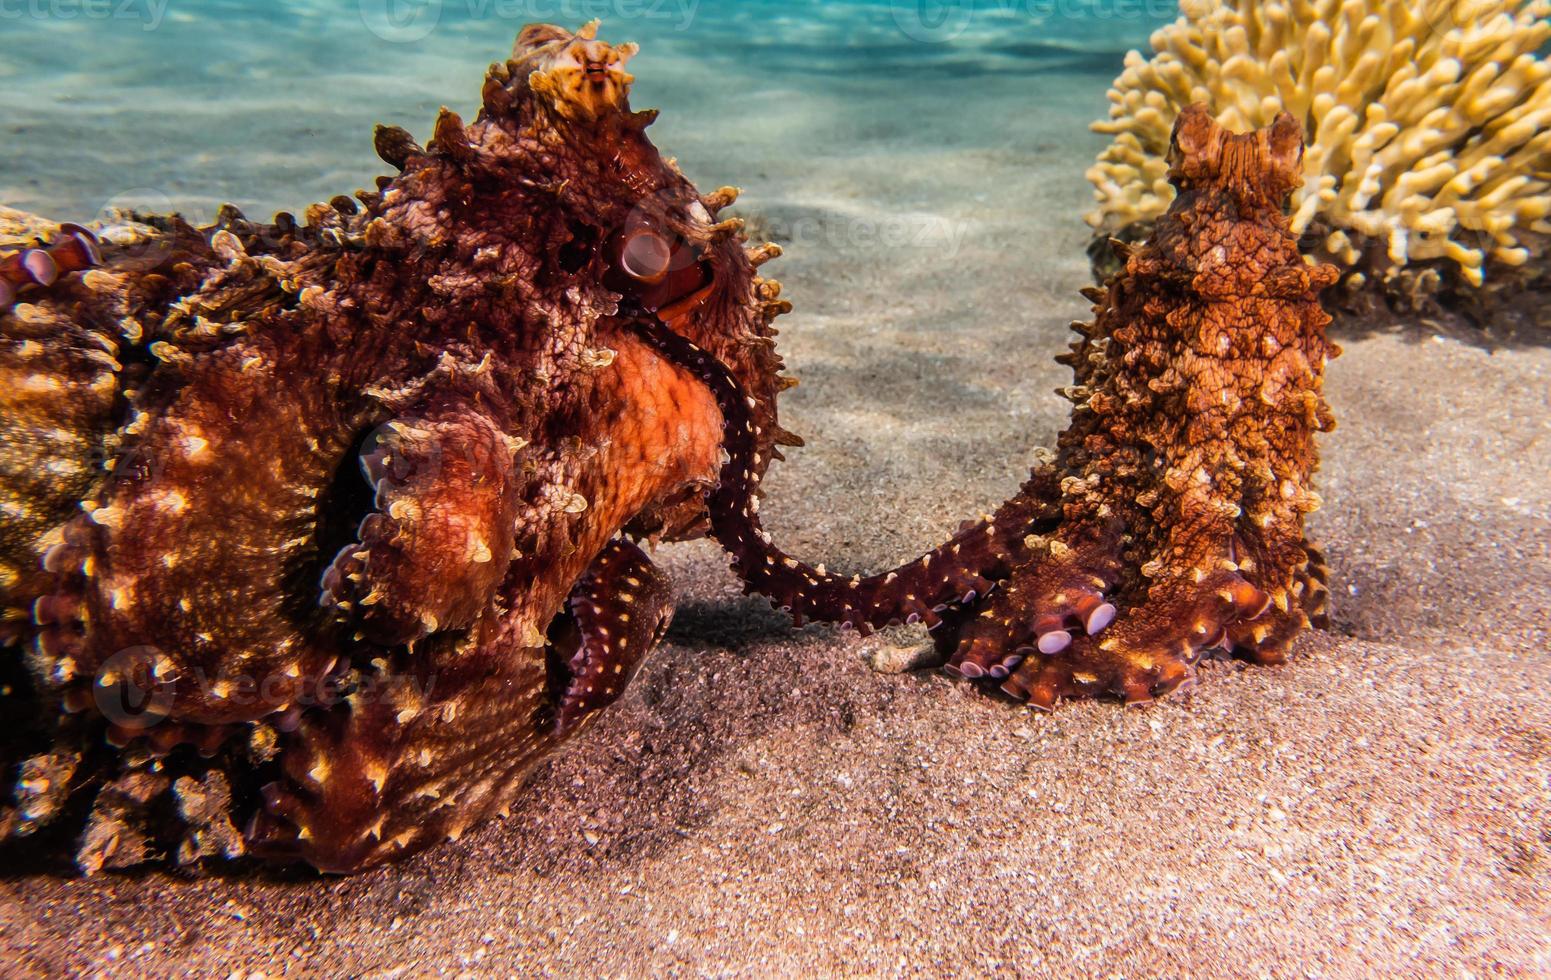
(320, 528)
(1169, 521)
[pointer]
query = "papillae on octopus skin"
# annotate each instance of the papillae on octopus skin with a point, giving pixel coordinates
(1169, 522)
(327, 524)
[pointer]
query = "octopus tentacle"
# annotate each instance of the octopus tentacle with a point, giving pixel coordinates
(620, 610)
(1198, 399)
(50, 444)
(1028, 619)
(178, 518)
(1153, 646)
(958, 572)
(1170, 522)
(369, 776)
(441, 536)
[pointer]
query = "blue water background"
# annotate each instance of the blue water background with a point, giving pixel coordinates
(185, 104)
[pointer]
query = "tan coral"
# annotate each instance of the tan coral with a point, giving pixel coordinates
(1428, 124)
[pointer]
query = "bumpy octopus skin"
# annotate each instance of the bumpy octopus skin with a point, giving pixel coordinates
(331, 513)
(1169, 522)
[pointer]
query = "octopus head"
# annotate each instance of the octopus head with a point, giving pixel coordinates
(628, 231)
(1255, 170)
(580, 77)
(631, 222)
(1226, 181)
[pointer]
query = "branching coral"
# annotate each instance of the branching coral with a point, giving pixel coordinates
(1428, 125)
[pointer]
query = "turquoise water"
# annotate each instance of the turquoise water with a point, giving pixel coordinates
(185, 104)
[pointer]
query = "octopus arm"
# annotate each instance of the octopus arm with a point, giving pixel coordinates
(440, 536)
(422, 746)
(1204, 597)
(965, 567)
(618, 613)
(59, 393)
(1187, 472)
(212, 500)
(1171, 518)
(59, 390)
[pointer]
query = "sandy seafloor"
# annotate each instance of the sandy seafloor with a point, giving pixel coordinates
(763, 804)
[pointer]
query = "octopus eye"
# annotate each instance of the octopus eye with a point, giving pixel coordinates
(660, 272)
(646, 256)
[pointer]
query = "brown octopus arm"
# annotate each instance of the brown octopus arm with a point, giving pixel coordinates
(59, 393)
(441, 535)
(405, 759)
(920, 591)
(1171, 518)
(1186, 474)
(617, 613)
(210, 504)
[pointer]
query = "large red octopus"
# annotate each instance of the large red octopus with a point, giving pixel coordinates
(343, 504)
(1169, 521)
